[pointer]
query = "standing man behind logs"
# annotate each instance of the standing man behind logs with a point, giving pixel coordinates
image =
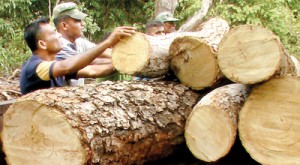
(154, 28)
(42, 71)
(69, 23)
(168, 20)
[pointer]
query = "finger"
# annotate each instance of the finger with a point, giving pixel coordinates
(122, 31)
(128, 28)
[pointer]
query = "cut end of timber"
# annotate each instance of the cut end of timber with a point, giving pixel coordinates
(209, 133)
(269, 122)
(37, 135)
(249, 54)
(131, 54)
(194, 62)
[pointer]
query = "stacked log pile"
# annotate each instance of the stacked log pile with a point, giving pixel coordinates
(249, 55)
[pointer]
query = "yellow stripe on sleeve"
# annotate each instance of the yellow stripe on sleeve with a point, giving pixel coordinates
(43, 70)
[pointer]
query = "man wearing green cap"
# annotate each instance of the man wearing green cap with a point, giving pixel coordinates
(69, 23)
(168, 20)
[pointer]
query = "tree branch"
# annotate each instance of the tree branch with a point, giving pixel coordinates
(193, 22)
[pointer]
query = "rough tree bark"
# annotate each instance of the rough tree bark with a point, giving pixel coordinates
(193, 23)
(269, 122)
(111, 123)
(211, 128)
(148, 56)
(251, 54)
(193, 58)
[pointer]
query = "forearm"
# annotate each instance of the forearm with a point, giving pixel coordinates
(75, 63)
(101, 61)
(107, 53)
(95, 71)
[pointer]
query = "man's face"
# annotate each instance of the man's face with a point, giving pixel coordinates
(73, 28)
(156, 31)
(169, 27)
(49, 39)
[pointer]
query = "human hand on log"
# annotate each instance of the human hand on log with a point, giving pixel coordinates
(121, 32)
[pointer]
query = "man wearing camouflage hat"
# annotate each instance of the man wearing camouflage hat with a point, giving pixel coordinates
(168, 20)
(69, 23)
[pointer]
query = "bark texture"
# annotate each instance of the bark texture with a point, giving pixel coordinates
(269, 122)
(110, 123)
(251, 54)
(211, 127)
(193, 58)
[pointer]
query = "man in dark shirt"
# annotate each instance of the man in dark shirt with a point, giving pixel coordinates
(42, 71)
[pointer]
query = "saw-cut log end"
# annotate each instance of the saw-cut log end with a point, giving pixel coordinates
(131, 54)
(33, 134)
(269, 122)
(194, 62)
(209, 133)
(250, 54)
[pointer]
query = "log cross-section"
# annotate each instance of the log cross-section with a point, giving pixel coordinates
(250, 54)
(269, 122)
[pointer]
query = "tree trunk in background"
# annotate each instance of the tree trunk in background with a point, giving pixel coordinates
(211, 127)
(269, 125)
(193, 22)
(193, 59)
(165, 5)
(148, 56)
(251, 54)
(110, 123)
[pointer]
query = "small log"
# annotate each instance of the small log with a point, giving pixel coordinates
(110, 123)
(251, 54)
(148, 56)
(142, 55)
(211, 127)
(193, 58)
(269, 122)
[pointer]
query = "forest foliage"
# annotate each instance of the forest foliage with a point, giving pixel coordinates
(280, 16)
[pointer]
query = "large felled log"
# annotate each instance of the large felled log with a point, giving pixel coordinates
(148, 56)
(193, 58)
(211, 127)
(269, 122)
(251, 54)
(109, 123)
